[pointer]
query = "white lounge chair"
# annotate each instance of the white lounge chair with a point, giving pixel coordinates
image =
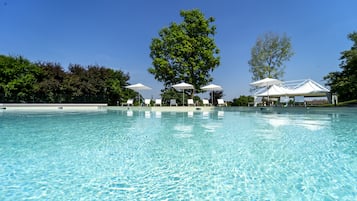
(299, 99)
(173, 102)
(258, 100)
(129, 102)
(284, 100)
(147, 102)
(205, 102)
(190, 102)
(158, 102)
(221, 102)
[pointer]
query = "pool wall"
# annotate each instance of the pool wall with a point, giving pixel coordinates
(59, 106)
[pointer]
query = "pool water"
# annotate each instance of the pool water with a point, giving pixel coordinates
(137, 155)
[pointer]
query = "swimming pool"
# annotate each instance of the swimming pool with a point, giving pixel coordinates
(219, 155)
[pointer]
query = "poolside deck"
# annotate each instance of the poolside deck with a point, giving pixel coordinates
(103, 107)
(47, 106)
(164, 108)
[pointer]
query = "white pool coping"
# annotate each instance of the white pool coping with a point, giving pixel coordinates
(54, 106)
(164, 108)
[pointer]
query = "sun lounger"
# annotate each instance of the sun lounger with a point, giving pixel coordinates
(205, 102)
(129, 102)
(190, 102)
(258, 100)
(299, 100)
(221, 102)
(158, 102)
(147, 102)
(284, 100)
(173, 102)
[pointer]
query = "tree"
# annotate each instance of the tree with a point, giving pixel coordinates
(50, 88)
(344, 83)
(242, 101)
(18, 79)
(24, 81)
(185, 52)
(268, 56)
(216, 95)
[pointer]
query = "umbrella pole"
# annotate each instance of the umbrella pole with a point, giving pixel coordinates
(183, 97)
(268, 95)
(212, 97)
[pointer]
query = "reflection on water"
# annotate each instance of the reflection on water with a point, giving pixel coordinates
(211, 127)
(190, 114)
(158, 114)
(220, 114)
(183, 128)
(147, 114)
(310, 123)
(183, 131)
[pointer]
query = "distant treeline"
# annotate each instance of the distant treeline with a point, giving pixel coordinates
(22, 81)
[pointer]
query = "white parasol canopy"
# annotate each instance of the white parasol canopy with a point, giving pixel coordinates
(212, 87)
(182, 86)
(138, 87)
(265, 82)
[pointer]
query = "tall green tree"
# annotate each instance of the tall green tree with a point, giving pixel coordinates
(344, 83)
(185, 52)
(268, 56)
(50, 84)
(46, 82)
(18, 79)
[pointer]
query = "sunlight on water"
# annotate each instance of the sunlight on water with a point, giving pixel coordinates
(222, 155)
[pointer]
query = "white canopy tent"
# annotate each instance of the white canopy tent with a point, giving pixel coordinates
(274, 91)
(302, 88)
(309, 88)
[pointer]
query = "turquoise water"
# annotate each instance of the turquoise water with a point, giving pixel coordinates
(120, 155)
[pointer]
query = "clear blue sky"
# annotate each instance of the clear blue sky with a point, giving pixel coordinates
(118, 33)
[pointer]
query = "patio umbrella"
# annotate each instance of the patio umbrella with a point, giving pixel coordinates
(182, 86)
(138, 87)
(212, 87)
(266, 82)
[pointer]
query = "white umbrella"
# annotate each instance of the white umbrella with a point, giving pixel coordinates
(182, 86)
(266, 82)
(212, 87)
(138, 87)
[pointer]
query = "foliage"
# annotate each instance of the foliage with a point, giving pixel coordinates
(18, 78)
(268, 56)
(344, 83)
(50, 84)
(172, 94)
(242, 101)
(23, 81)
(185, 52)
(216, 95)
